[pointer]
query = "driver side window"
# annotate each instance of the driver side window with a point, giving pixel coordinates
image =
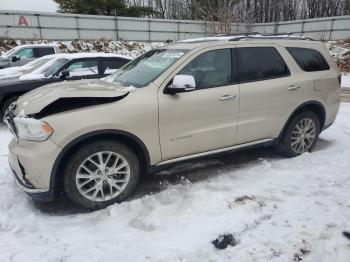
(210, 69)
(83, 68)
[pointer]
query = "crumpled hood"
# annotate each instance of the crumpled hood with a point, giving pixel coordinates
(34, 101)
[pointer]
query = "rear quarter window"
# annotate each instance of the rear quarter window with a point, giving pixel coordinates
(260, 63)
(309, 60)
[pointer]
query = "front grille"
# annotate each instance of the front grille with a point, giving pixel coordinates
(8, 118)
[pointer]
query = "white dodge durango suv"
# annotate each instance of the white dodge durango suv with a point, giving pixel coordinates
(93, 139)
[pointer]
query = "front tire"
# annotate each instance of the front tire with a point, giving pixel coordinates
(301, 134)
(101, 173)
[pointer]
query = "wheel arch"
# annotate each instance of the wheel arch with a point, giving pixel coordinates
(313, 106)
(127, 138)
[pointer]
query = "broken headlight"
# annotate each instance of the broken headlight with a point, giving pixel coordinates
(32, 129)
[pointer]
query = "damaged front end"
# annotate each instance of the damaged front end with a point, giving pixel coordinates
(71, 103)
(9, 118)
(23, 117)
(26, 128)
(65, 96)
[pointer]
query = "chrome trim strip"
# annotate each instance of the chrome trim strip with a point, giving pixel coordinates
(214, 151)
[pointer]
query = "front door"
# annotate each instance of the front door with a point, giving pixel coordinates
(204, 119)
(85, 68)
(25, 55)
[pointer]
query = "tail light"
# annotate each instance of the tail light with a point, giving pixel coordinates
(339, 79)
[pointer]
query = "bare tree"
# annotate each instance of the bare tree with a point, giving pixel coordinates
(225, 12)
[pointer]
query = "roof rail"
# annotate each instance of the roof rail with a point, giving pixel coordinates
(270, 36)
(246, 36)
(235, 34)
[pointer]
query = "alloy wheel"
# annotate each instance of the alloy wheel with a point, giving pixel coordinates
(303, 135)
(102, 176)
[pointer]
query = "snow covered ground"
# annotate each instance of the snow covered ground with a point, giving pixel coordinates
(345, 81)
(278, 209)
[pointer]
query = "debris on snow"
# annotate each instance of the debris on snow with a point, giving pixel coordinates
(223, 241)
(346, 234)
(243, 199)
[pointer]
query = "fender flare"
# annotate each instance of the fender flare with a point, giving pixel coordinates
(74, 142)
(313, 102)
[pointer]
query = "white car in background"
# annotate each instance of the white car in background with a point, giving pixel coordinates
(23, 54)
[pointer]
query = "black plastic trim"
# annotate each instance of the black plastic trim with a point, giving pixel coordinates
(297, 109)
(154, 168)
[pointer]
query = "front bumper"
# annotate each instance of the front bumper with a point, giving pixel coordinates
(31, 163)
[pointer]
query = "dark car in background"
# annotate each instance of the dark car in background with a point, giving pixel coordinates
(23, 54)
(65, 67)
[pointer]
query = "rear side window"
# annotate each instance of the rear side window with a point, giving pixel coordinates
(42, 51)
(260, 63)
(110, 65)
(309, 60)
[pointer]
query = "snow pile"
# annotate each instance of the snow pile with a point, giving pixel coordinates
(340, 50)
(277, 209)
(126, 48)
(345, 81)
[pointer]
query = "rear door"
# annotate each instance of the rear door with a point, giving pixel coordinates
(269, 91)
(204, 119)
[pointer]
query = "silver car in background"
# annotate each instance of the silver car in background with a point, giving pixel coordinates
(23, 54)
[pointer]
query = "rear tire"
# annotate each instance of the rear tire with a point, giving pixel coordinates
(300, 135)
(101, 173)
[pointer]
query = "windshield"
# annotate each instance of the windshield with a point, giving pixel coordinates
(30, 67)
(57, 64)
(10, 52)
(146, 68)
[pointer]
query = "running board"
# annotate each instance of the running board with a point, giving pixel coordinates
(216, 151)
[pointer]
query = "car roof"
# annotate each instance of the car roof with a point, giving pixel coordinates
(36, 45)
(204, 42)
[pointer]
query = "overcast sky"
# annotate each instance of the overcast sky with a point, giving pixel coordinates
(29, 5)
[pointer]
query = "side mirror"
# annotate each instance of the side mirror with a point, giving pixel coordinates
(64, 74)
(15, 58)
(181, 83)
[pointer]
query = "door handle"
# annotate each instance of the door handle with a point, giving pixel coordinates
(291, 88)
(227, 97)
